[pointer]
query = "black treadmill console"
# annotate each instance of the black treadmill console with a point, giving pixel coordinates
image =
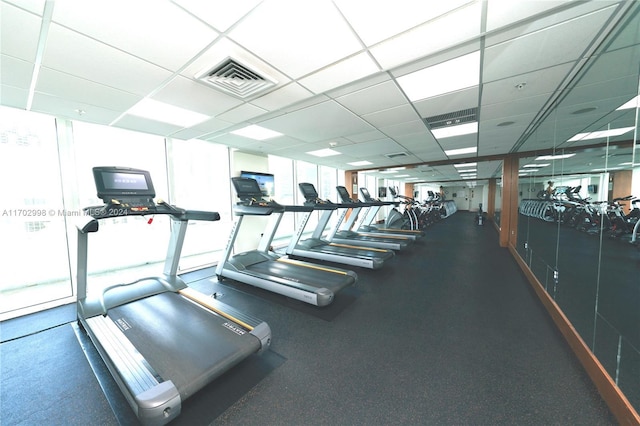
(343, 193)
(311, 195)
(366, 195)
(251, 198)
(125, 187)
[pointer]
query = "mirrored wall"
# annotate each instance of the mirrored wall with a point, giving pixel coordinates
(579, 204)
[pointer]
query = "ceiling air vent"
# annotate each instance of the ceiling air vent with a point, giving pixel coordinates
(235, 78)
(452, 118)
(396, 155)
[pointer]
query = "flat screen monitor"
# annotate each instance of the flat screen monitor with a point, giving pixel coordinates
(266, 181)
(118, 182)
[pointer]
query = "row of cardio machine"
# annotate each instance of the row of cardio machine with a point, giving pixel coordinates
(294, 274)
(163, 341)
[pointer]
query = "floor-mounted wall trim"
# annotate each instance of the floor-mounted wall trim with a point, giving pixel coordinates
(611, 393)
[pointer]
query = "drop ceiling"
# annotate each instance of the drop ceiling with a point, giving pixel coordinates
(357, 77)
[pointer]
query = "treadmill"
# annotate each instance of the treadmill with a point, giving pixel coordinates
(365, 222)
(307, 282)
(342, 232)
(161, 340)
(317, 247)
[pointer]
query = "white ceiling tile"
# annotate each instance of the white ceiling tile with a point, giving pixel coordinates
(282, 40)
(195, 96)
(366, 136)
(15, 72)
(552, 46)
(373, 148)
(241, 113)
(145, 125)
(63, 107)
(403, 129)
(157, 31)
(221, 18)
(392, 116)
(280, 98)
(14, 97)
(345, 71)
(318, 122)
(19, 32)
(501, 13)
(78, 55)
(374, 98)
(539, 82)
(398, 16)
(446, 31)
(34, 6)
(504, 110)
(72, 88)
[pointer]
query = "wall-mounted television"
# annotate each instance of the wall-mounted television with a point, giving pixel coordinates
(266, 181)
(592, 189)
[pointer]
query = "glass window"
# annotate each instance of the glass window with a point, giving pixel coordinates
(128, 247)
(200, 181)
(285, 193)
(32, 220)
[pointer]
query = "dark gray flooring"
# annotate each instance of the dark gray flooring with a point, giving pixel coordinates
(446, 333)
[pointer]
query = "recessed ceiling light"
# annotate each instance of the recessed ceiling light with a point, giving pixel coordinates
(462, 129)
(446, 77)
(467, 170)
(461, 151)
(327, 152)
(165, 113)
(401, 176)
(554, 157)
(360, 163)
(256, 132)
(633, 103)
(600, 134)
(465, 164)
(536, 165)
(388, 171)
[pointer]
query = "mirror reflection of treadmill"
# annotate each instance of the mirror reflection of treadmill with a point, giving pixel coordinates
(367, 222)
(317, 247)
(263, 268)
(161, 340)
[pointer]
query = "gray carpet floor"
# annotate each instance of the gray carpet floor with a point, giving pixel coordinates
(447, 333)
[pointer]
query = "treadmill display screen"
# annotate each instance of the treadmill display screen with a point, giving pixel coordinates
(343, 193)
(124, 181)
(246, 188)
(116, 182)
(308, 191)
(365, 193)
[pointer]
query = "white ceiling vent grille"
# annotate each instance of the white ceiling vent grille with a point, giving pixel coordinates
(452, 118)
(396, 155)
(235, 78)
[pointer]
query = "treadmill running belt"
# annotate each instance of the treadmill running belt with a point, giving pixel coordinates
(182, 341)
(298, 274)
